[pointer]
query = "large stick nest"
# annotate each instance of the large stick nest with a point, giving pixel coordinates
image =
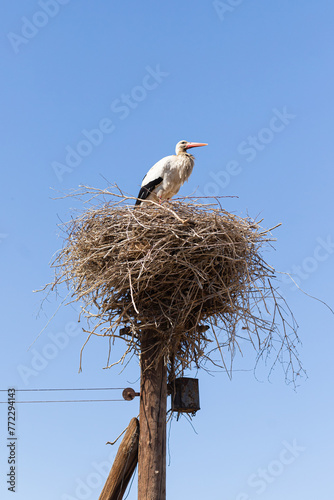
(186, 273)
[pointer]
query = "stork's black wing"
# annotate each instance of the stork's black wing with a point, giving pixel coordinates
(146, 190)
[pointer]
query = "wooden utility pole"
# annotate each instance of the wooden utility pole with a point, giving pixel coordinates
(124, 464)
(152, 422)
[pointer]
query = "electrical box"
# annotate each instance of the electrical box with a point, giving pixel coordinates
(185, 395)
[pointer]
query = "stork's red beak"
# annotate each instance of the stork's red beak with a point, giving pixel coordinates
(195, 144)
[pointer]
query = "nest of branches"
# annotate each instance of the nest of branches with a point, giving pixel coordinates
(189, 274)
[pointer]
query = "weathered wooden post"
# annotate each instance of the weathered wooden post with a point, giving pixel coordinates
(152, 421)
(123, 466)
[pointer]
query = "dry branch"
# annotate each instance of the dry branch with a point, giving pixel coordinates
(173, 269)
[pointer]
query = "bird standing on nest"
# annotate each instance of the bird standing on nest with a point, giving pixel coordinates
(166, 177)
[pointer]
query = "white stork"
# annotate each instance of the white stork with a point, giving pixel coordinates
(165, 178)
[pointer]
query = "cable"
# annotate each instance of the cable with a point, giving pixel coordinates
(80, 389)
(67, 401)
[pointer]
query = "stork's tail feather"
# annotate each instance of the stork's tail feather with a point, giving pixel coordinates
(146, 190)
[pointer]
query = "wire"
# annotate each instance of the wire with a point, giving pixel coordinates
(132, 479)
(80, 389)
(67, 401)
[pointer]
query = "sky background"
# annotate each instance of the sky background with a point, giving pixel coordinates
(253, 79)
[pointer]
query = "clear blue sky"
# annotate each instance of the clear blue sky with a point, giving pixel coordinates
(255, 80)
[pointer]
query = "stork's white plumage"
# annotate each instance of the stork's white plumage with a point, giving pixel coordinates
(166, 177)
